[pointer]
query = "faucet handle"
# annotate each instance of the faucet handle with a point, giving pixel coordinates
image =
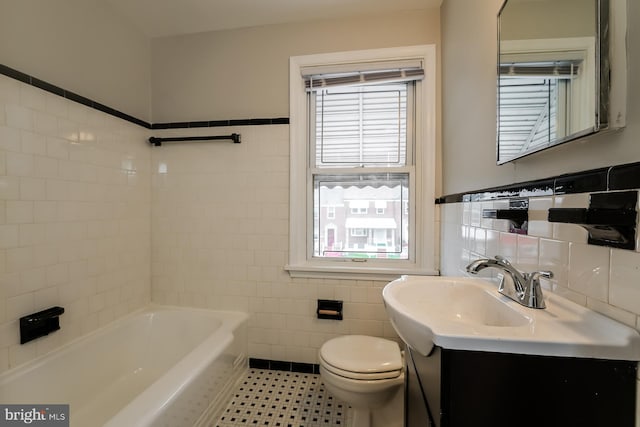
(533, 292)
(537, 274)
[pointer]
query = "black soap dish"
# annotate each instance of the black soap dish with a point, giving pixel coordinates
(39, 324)
(517, 215)
(610, 219)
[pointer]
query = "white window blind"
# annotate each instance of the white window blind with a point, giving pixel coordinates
(528, 113)
(316, 78)
(361, 125)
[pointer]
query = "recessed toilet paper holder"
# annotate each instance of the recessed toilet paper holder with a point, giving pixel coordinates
(329, 309)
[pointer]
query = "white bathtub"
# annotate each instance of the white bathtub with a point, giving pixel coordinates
(161, 366)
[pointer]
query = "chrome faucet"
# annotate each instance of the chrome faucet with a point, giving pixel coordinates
(523, 288)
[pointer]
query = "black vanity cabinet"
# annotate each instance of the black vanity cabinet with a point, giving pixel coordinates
(455, 388)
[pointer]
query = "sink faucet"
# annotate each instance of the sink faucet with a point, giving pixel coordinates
(524, 287)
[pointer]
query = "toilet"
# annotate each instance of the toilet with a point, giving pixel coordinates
(367, 373)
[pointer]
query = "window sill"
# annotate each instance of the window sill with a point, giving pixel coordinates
(354, 273)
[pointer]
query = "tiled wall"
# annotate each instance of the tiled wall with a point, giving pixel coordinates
(74, 216)
(604, 279)
(220, 237)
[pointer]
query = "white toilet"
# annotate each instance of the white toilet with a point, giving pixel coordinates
(368, 374)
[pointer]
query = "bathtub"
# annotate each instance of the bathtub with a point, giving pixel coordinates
(160, 366)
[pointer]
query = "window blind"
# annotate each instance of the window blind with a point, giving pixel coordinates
(527, 113)
(361, 126)
(317, 78)
(555, 69)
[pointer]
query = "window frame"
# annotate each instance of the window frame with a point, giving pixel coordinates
(301, 261)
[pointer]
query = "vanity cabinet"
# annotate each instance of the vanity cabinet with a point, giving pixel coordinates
(456, 388)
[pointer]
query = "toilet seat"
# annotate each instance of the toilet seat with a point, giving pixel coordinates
(362, 357)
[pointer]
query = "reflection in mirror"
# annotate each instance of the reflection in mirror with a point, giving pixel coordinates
(549, 73)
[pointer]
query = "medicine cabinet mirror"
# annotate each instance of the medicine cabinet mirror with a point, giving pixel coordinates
(553, 73)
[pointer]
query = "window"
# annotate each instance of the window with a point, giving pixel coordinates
(331, 212)
(359, 232)
(363, 138)
(534, 105)
(544, 93)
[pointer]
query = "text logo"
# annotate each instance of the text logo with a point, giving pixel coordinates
(34, 415)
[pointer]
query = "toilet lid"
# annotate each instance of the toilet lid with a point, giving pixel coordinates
(362, 354)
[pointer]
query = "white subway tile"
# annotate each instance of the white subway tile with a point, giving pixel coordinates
(9, 90)
(589, 270)
(45, 123)
(32, 188)
(32, 235)
(9, 138)
(508, 246)
(19, 259)
(20, 305)
(624, 290)
(9, 236)
(33, 143)
(527, 253)
(19, 212)
(32, 97)
(45, 167)
(57, 148)
(538, 212)
(19, 164)
(554, 256)
(19, 117)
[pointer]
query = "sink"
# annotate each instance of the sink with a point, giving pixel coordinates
(464, 313)
(466, 303)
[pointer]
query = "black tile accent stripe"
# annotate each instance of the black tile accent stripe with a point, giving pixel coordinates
(221, 123)
(41, 84)
(582, 182)
(278, 365)
(624, 177)
(618, 177)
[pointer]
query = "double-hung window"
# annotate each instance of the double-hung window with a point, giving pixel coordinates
(363, 148)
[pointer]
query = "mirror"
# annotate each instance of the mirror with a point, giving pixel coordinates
(553, 73)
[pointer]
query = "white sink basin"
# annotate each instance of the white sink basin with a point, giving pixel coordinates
(462, 313)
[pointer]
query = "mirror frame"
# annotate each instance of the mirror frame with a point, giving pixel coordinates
(601, 85)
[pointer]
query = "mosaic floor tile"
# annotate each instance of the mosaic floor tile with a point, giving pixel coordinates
(282, 399)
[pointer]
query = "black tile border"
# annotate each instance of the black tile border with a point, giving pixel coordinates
(279, 365)
(221, 123)
(612, 178)
(56, 90)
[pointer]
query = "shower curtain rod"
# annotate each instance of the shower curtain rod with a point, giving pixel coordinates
(235, 137)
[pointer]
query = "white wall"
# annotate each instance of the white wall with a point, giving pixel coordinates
(469, 107)
(74, 217)
(220, 212)
(244, 73)
(81, 46)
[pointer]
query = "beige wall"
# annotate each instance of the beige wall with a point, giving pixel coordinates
(244, 73)
(80, 46)
(547, 19)
(469, 103)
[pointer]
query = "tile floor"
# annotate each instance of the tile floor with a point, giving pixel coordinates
(282, 399)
